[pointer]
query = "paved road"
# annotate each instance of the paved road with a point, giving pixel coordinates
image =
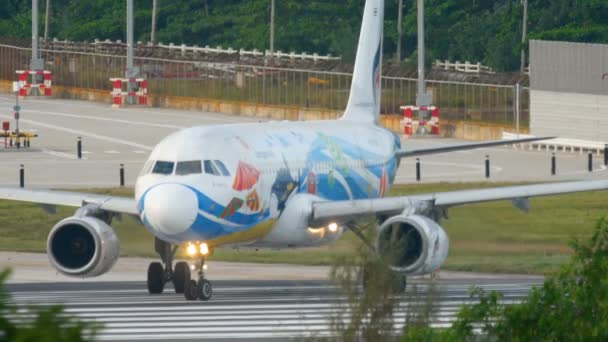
(125, 136)
(257, 309)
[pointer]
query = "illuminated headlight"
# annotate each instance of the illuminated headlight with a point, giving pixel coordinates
(191, 249)
(204, 266)
(333, 227)
(204, 249)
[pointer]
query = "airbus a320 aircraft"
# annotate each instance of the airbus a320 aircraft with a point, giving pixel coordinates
(275, 185)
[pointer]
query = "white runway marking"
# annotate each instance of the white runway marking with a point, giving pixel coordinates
(86, 117)
(111, 152)
(149, 111)
(61, 154)
(235, 312)
(83, 133)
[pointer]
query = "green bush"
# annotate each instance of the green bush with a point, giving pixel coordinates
(571, 305)
(34, 323)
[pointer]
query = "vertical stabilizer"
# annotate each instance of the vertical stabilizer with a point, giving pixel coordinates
(365, 95)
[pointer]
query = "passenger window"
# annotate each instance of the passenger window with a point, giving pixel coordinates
(210, 169)
(222, 168)
(188, 167)
(163, 167)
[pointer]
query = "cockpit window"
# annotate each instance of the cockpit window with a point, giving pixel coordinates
(163, 167)
(210, 169)
(188, 167)
(222, 168)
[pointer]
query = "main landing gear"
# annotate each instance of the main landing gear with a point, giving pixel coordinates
(161, 273)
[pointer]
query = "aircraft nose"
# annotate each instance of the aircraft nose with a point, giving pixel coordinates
(170, 208)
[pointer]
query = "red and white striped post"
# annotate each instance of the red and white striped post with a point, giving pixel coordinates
(48, 83)
(45, 87)
(435, 121)
(409, 122)
(116, 92)
(142, 93)
(408, 114)
(23, 82)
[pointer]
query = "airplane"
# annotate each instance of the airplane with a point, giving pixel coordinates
(274, 185)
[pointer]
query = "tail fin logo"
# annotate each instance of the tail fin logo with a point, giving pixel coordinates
(377, 77)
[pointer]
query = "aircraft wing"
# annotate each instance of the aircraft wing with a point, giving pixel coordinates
(124, 205)
(461, 147)
(345, 210)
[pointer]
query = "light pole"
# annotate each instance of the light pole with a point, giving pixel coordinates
(130, 72)
(399, 29)
(524, 32)
(272, 26)
(46, 20)
(36, 63)
(153, 33)
(422, 98)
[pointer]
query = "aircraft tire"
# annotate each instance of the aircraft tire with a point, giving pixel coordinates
(181, 275)
(205, 289)
(156, 281)
(190, 290)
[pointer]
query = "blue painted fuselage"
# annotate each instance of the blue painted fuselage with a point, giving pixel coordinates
(265, 166)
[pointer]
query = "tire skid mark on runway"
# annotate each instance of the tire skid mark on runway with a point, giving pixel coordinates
(264, 312)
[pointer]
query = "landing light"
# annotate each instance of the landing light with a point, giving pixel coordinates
(191, 250)
(333, 227)
(197, 249)
(204, 249)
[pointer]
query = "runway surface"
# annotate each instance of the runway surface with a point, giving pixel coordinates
(111, 137)
(254, 309)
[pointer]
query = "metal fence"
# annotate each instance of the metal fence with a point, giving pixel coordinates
(466, 101)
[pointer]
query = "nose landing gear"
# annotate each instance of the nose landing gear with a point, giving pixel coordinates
(202, 288)
(161, 273)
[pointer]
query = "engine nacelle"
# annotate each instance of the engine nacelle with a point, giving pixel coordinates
(413, 244)
(82, 247)
(292, 228)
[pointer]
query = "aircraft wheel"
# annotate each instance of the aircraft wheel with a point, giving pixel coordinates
(204, 289)
(191, 290)
(181, 275)
(156, 281)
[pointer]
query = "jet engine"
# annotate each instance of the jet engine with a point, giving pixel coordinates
(82, 247)
(412, 244)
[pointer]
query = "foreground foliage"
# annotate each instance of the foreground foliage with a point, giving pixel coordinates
(45, 323)
(571, 305)
(375, 296)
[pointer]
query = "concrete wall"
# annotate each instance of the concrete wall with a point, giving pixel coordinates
(455, 129)
(569, 115)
